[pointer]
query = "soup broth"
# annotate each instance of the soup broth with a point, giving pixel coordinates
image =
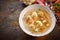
(36, 21)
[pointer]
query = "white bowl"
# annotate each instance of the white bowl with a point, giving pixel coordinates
(52, 18)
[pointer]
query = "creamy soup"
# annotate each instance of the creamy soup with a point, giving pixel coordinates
(36, 21)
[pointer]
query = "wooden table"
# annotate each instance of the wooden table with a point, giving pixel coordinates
(9, 23)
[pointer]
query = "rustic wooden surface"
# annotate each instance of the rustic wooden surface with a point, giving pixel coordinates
(9, 23)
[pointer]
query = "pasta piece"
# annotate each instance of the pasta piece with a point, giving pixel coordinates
(29, 19)
(39, 22)
(34, 14)
(36, 30)
(44, 21)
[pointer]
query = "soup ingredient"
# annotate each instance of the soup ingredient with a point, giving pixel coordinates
(44, 21)
(39, 22)
(34, 14)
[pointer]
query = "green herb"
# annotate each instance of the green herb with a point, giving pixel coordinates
(56, 6)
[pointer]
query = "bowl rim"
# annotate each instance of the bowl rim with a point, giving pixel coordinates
(53, 19)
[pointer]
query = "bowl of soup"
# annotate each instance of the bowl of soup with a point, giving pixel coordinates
(37, 20)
